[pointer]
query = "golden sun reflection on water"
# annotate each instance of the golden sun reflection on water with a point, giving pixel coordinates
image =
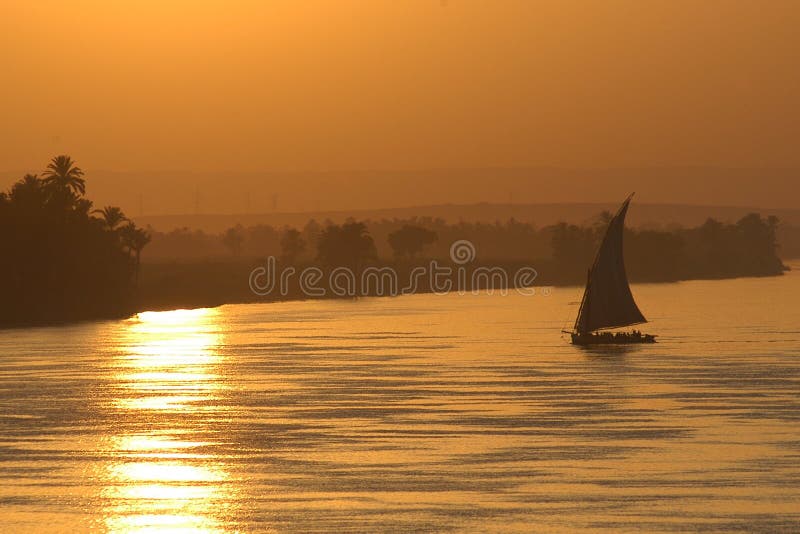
(164, 476)
(420, 414)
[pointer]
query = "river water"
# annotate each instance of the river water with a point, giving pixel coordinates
(418, 413)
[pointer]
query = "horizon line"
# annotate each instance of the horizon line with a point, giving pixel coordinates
(456, 205)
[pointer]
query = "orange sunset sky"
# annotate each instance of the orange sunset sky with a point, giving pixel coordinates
(147, 93)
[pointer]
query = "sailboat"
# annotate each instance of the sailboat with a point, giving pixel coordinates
(607, 300)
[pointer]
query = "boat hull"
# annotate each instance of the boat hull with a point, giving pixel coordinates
(611, 339)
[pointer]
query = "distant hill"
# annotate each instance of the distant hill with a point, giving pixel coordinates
(175, 192)
(538, 214)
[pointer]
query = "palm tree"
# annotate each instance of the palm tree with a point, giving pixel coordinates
(62, 175)
(28, 191)
(112, 217)
(83, 206)
(135, 239)
(29, 182)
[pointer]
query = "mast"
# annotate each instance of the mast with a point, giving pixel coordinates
(583, 300)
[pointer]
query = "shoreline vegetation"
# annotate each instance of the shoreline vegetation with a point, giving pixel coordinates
(64, 261)
(177, 285)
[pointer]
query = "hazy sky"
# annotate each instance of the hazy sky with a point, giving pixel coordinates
(239, 85)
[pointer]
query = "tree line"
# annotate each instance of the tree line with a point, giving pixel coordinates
(560, 253)
(62, 259)
(714, 249)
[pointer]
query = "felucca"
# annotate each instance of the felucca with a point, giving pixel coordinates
(607, 300)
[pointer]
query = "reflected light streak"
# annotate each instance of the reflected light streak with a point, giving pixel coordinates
(163, 477)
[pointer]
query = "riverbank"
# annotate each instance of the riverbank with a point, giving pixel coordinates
(212, 283)
(172, 285)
